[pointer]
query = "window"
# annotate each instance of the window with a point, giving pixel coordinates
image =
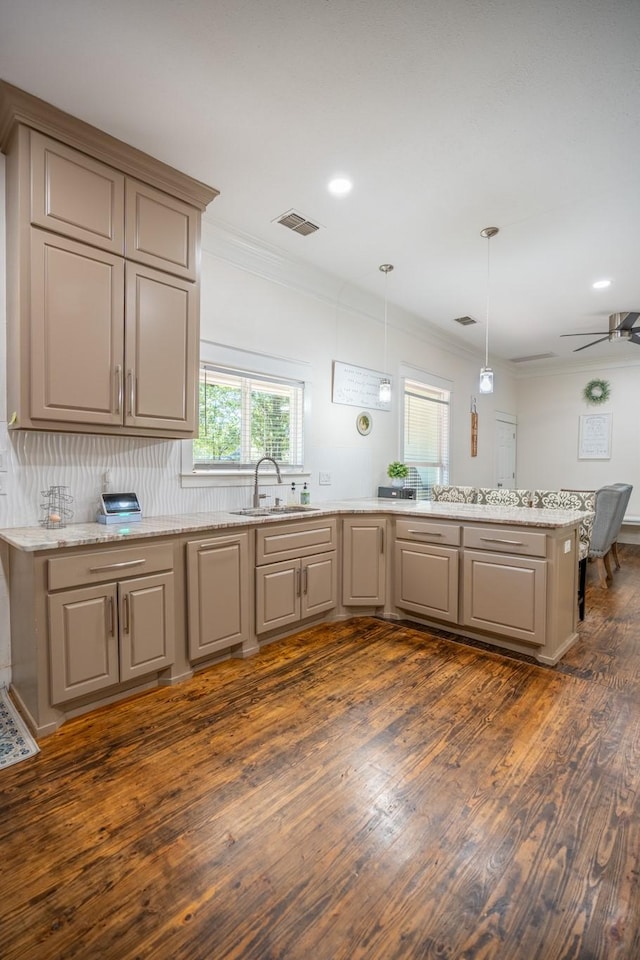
(244, 416)
(426, 435)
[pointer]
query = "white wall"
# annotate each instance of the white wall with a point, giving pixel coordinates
(264, 303)
(549, 408)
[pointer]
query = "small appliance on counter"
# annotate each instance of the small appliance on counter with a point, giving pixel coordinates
(118, 508)
(397, 493)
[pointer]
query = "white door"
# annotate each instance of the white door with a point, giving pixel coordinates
(505, 451)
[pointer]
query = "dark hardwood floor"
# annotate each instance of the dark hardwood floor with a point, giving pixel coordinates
(361, 790)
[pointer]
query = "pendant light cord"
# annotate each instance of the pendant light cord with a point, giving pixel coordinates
(488, 233)
(486, 327)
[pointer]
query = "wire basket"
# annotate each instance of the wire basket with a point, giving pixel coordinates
(56, 508)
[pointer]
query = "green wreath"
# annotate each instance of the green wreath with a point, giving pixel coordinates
(597, 391)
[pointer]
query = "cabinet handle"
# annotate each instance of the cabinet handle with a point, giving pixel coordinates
(116, 566)
(511, 543)
(381, 540)
(426, 533)
(125, 613)
(120, 387)
(111, 620)
(297, 583)
(132, 392)
(305, 585)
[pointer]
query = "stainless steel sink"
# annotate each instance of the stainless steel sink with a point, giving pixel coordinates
(273, 511)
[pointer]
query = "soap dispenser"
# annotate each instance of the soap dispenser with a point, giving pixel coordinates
(292, 495)
(305, 496)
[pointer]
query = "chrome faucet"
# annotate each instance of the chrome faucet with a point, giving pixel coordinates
(259, 496)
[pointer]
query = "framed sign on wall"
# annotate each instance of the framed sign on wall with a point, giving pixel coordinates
(594, 440)
(358, 386)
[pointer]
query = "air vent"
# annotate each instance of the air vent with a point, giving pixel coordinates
(297, 223)
(534, 356)
(464, 321)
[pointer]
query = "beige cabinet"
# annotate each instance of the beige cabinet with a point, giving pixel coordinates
(218, 594)
(161, 351)
(76, 332)
(161, 231)
(103, 284)
(505, 583)
(296, 572)
(364, 561)
(293, 590)
(426, 568)
(75, 195)
(505, 595)
(106, 633)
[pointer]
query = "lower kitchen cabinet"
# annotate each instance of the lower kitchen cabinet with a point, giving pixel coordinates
(505, 595)
(217, 594)
(103, 635)
(293, 590)
(364, 561)
(426, 568)
(426, 579)
(296, 572)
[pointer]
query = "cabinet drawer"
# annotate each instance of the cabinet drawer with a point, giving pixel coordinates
(526, 543)
(106, 565)
(428, 531)
(291, 540)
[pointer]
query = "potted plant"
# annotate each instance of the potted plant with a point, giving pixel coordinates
(398, 472)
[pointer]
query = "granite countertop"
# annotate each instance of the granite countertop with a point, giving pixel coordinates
(35, 538)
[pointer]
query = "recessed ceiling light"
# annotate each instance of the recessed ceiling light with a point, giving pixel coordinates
(340, 186)
(601, 284)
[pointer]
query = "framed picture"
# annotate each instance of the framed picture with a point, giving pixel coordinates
(594, 441)
(364, 423)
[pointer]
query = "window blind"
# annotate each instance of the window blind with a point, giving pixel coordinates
(426, 435)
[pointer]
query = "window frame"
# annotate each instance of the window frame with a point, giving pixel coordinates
(246, 361)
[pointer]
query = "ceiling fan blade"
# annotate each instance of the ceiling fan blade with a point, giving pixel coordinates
(628, 322)
(592, 333)
(592, 344)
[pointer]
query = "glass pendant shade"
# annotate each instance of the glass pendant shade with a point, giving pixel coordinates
(486, 380)
(384, 391)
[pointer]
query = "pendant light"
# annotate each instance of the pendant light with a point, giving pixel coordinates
(486, 373)
(384, 389)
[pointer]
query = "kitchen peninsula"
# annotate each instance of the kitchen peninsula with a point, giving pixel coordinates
(101, 612)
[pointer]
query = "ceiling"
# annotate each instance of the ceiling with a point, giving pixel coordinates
(448, 115)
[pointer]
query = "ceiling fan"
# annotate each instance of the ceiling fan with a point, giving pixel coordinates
(621, 327)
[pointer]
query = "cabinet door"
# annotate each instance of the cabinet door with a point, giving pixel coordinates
(83, 641)
(161, 231)
(76, 196)
(319, 584)
(161, 346)
(147, 625)
(278, 588)
(426, 580)
(76, 348)
(505, 595)
(218, 594)
(364, 562)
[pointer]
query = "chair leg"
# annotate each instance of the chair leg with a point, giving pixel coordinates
(614, 552)
(607, 565)
(602, 572)
(582, 583)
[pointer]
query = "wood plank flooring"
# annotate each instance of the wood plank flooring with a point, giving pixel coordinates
(361, 791)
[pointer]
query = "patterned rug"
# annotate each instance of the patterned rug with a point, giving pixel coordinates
(16, 743)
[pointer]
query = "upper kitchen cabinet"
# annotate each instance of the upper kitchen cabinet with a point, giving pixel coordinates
(103, 288)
